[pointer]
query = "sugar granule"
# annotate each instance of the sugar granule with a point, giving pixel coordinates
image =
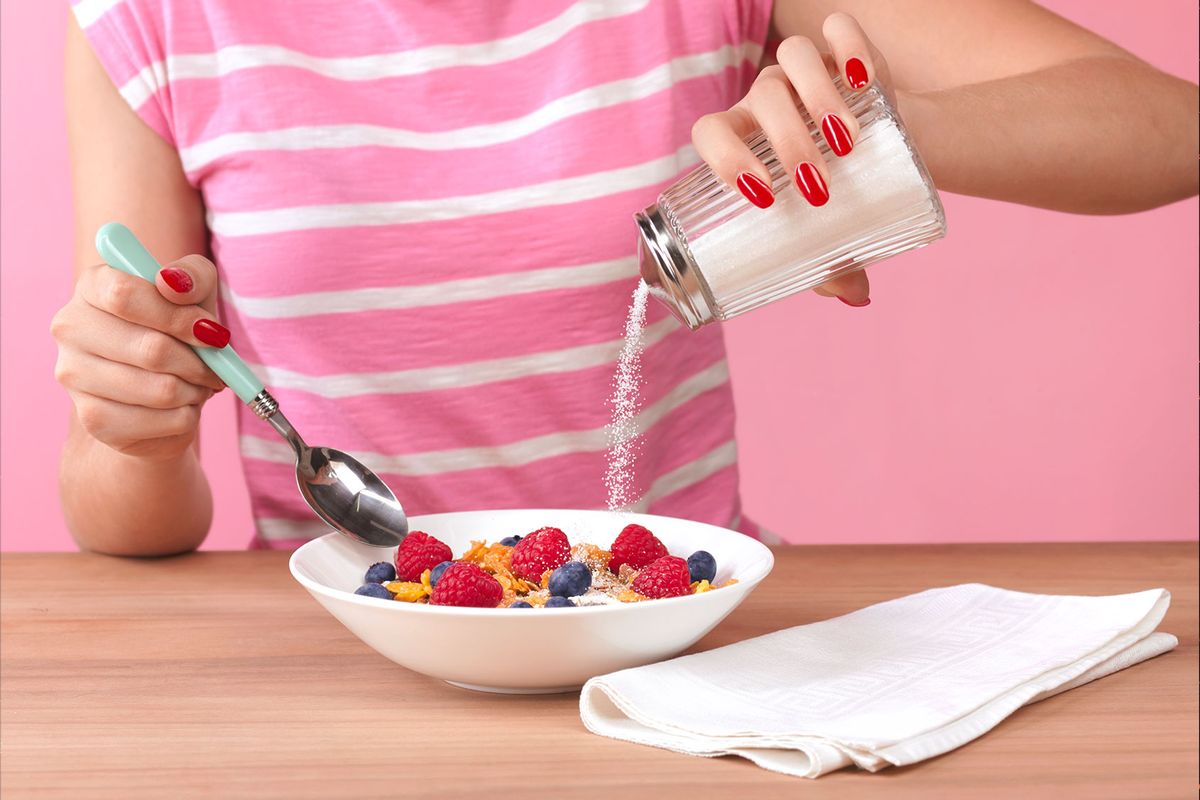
(624, 438)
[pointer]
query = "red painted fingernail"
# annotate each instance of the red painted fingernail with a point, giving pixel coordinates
(837, 134)
(856, 73)
(811, 184)
(863, 304)
(755, 190)
(211, 333)
(177, 279)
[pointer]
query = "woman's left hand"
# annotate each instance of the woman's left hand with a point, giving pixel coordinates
(803, 76)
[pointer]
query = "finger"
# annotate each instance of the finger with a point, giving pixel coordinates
(111, 380)
(139, 302)
(851, 49)
(853, 289)
(119, 425)
(192, 280)
(773, 104)
(91, 330)
(806, 70)
(719, 139)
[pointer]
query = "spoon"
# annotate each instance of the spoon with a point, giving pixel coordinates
(350, 498)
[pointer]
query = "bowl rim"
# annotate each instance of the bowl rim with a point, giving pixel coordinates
(744, 584)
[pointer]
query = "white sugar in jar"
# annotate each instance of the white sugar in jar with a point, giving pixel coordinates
(709, 254)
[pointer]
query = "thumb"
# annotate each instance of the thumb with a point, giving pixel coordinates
(853, 289)
(192, 280)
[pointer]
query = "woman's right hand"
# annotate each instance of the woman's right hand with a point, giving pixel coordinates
(125, 360)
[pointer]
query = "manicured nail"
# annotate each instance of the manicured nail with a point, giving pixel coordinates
(177, 279)
(211, 333)
(837, 134)
(863, 304)
(856, 73)
(811, 184)
(755, 190)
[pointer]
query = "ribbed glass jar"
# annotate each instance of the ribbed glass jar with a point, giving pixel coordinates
(709, 254)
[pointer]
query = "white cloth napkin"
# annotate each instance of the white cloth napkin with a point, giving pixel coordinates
(894, 683)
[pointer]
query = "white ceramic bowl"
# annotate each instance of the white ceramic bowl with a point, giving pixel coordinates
(530, 650)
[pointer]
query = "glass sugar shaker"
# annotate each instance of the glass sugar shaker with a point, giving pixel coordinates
(709, 254)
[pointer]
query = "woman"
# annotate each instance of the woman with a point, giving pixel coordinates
(419, 219)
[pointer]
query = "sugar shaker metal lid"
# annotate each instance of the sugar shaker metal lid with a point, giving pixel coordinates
(669, 270)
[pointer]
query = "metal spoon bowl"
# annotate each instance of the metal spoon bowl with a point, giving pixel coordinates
(345, 494)
(350, 498)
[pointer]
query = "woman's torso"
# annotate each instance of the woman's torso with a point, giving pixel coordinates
(421, 216)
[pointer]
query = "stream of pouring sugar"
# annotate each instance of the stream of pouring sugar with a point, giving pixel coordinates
(624, 438)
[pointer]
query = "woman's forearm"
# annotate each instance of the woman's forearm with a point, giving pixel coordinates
(145, 505)
(1105, 135)
(124, 505)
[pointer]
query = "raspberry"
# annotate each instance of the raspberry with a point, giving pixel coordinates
(664, 577)
(467, 585)
(545, 548)
(418, 552)
(636, 547)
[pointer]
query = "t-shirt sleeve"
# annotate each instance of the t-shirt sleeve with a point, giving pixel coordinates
(128, 38)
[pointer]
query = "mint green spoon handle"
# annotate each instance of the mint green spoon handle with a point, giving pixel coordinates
(121, 250)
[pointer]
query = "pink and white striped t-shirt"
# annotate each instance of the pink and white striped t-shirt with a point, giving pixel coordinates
(421, 213)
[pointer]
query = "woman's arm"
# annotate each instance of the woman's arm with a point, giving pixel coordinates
(150, 497)
(1009, 101)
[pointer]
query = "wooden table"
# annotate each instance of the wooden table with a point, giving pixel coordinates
(215, 675)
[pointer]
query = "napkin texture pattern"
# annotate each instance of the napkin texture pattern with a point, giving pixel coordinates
(891, 684)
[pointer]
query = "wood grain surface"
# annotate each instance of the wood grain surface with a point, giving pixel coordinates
(215, 675)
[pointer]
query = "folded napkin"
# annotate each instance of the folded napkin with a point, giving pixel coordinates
(894, 683)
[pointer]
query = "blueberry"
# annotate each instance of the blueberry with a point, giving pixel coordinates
(570, 580)
(510, 541)
(520, 604)
(374, 590)
(378, 573)
(702, 566)
(559, 602)
(435, 574)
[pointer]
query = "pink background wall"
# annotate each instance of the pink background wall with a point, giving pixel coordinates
(1034, 376)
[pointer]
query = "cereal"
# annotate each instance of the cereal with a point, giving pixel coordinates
(495, 559)
(591, 555)
(537, 598)
(407, 591)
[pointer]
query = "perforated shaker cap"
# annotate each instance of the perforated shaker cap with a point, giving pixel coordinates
(669, 271)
